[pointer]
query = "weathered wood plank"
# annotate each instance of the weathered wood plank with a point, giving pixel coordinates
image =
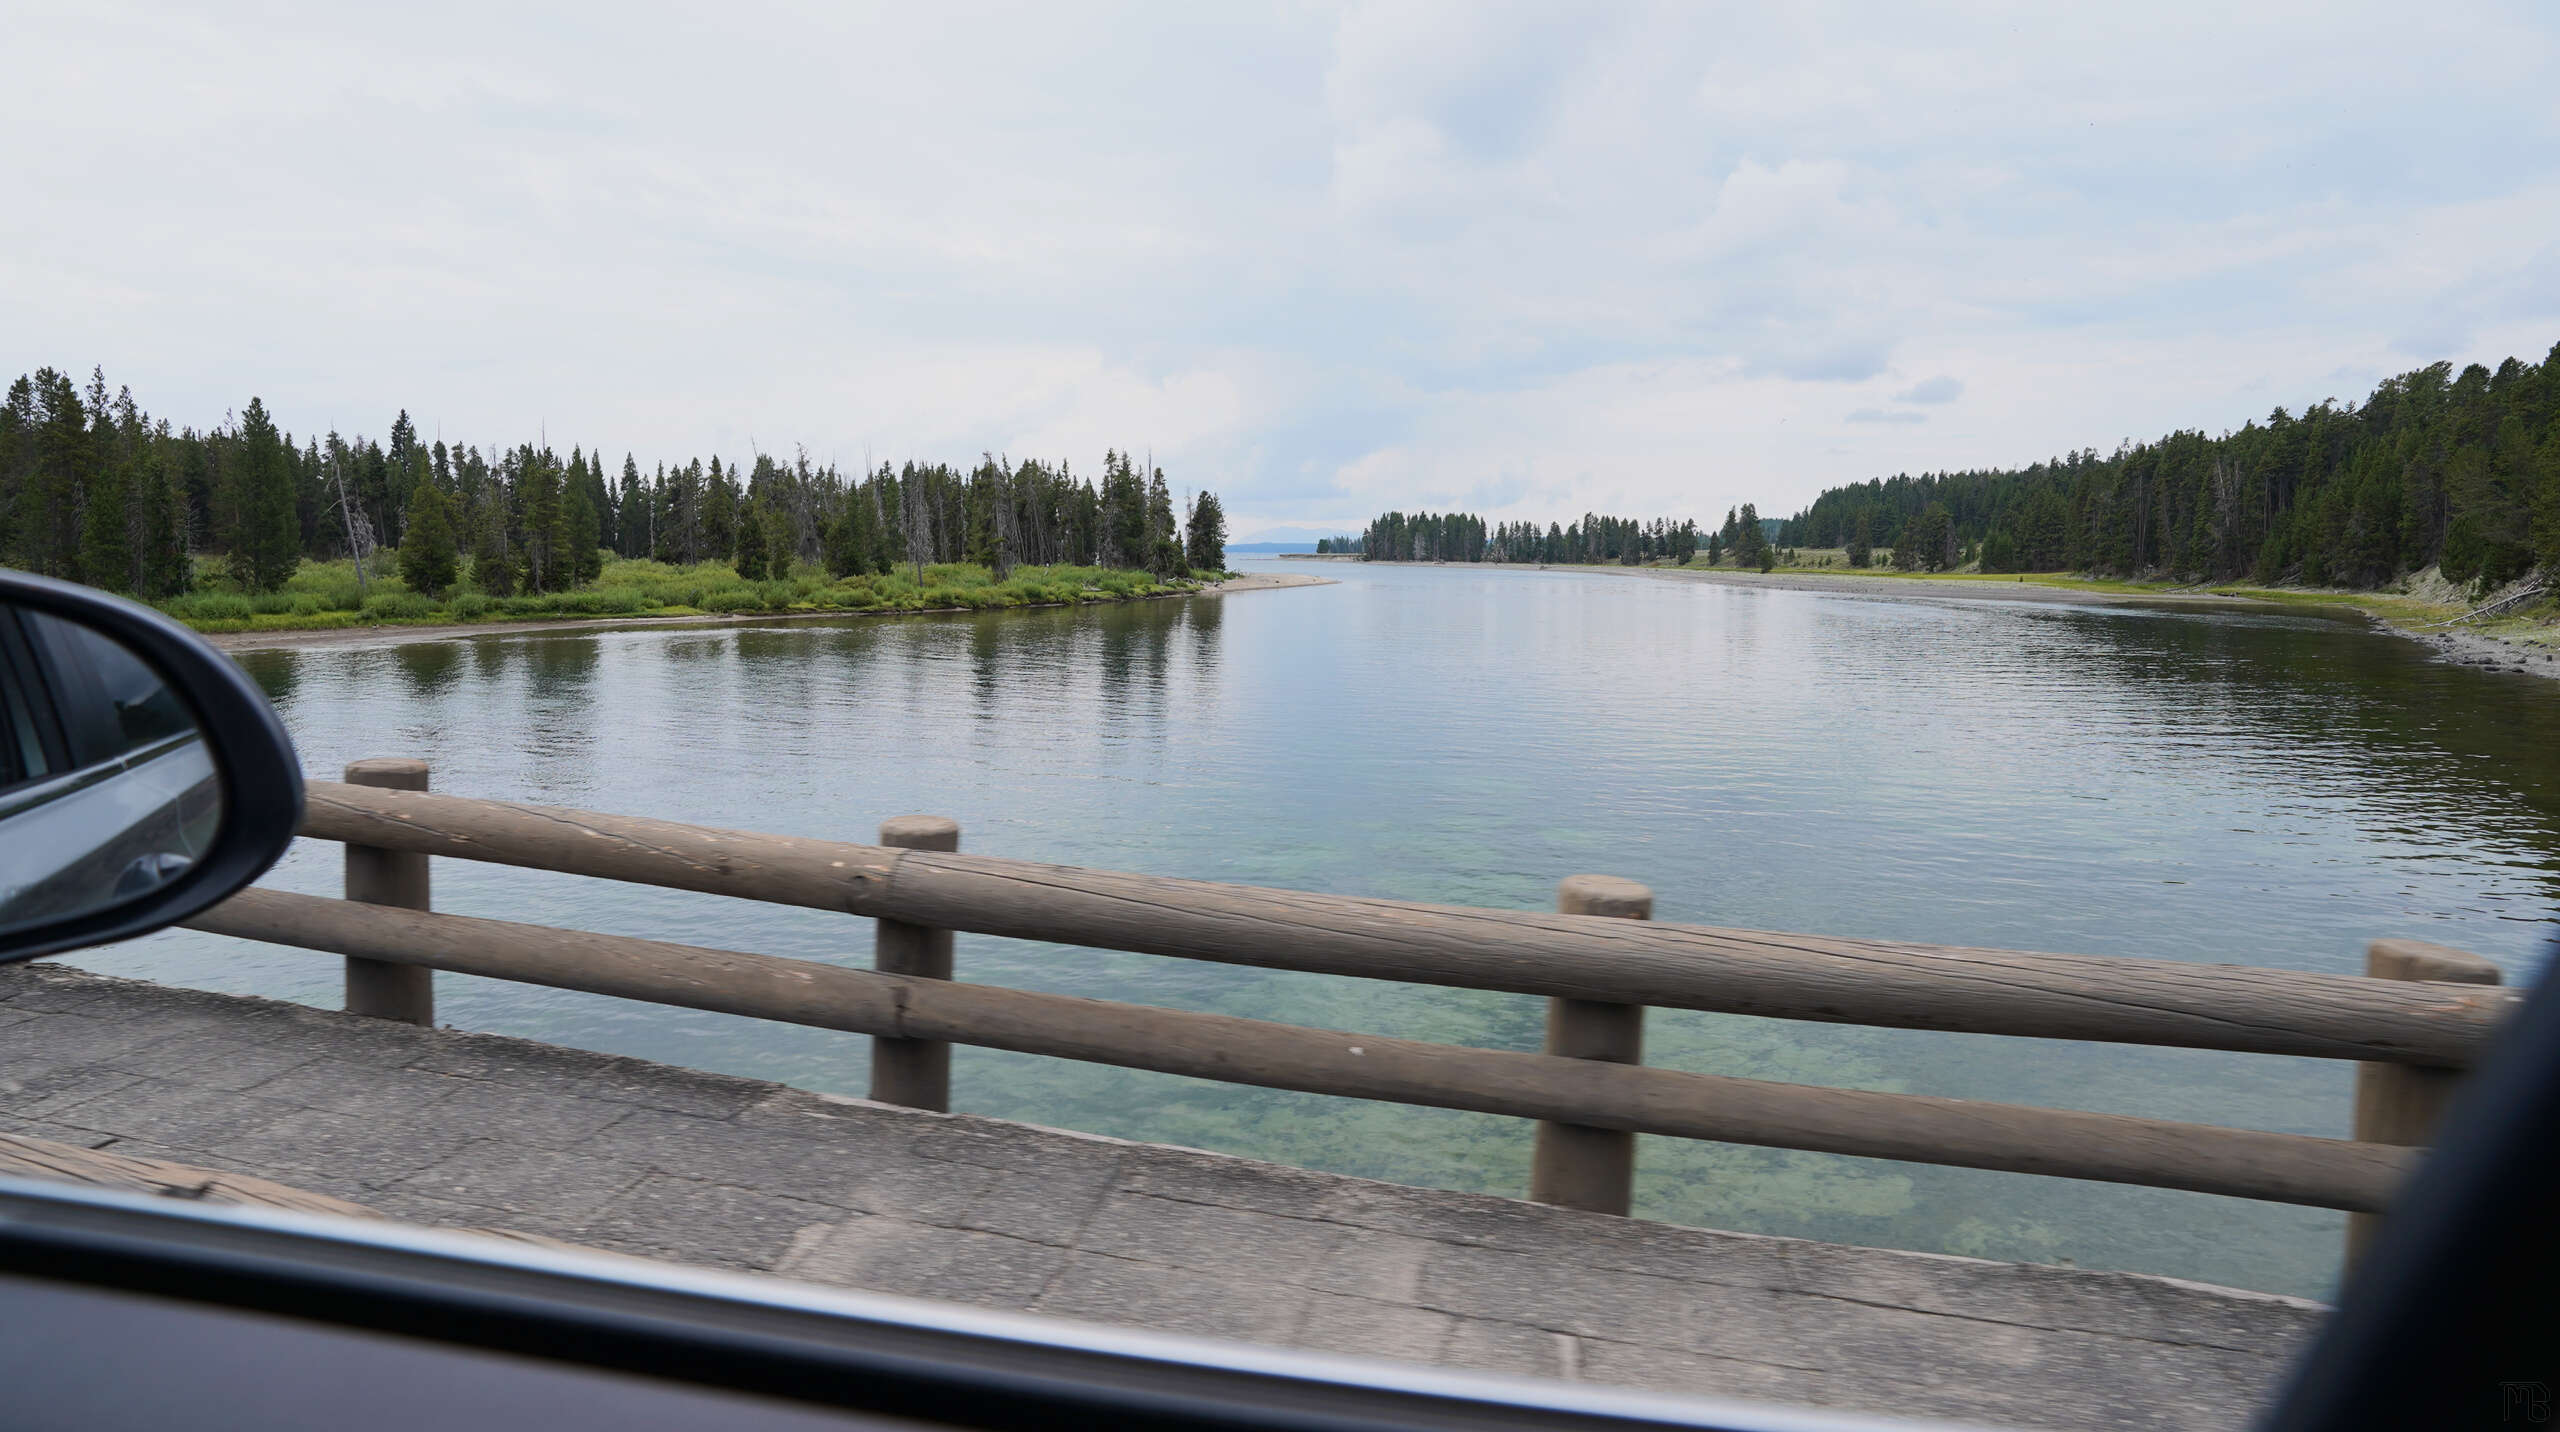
(25, 1157)
(1845, 981)
(2289, 1168)
(22, 1156)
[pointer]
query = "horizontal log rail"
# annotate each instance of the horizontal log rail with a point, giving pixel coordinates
(2287, 1168)
(1845, 981)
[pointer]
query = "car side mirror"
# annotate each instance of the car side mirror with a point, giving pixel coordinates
(143, 776)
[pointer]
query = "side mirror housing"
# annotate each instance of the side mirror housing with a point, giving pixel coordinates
(143, 776)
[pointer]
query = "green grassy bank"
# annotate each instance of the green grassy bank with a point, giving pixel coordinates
(323, 596)
(2422, 601)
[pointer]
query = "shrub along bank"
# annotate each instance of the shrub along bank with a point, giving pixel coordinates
(324, 595)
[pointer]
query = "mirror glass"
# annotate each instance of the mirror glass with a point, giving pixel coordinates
(108, 791)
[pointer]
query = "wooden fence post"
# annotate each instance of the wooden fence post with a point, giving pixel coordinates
(389, 877)
(1576, 1166)
(2401, 1103)
(914, 1072)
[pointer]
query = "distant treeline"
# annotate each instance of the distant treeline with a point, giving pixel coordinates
(1465, 537)
(93, 489)
(1746, 538)
(2457, 470)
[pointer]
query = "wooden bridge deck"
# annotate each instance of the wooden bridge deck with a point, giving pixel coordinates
(479, 1131)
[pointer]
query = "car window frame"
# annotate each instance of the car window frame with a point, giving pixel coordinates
(22, 664)
(82, 706)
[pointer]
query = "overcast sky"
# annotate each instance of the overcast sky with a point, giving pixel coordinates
(1322, 259)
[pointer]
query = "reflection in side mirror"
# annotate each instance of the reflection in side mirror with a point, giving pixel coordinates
(142, 777)
(107, 792)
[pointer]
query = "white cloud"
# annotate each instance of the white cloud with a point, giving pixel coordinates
(1941, 389)
(1650, 258)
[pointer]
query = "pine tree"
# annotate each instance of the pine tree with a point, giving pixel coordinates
(1205, 543)
(2546, 512)
(601, 513)
(1125, 539)
(580, 545)
(849, 539)
(493, 567)
(1929, 536)
(719, 516)
(428, 558)
(17, 463)
(402, 464)
(373, 489)
(1008, 535)
(679, 515)
(106, 548)
(167, 569)
(981, 503)
(1906, 551)
(1163, 552)
(884, 528)
(58, 477)
(631, 526)
(270, 545)
(1862, 541)
(538, 517)
(778, 542)
(751, 559)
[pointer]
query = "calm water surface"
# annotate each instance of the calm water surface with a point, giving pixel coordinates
(2267, 788)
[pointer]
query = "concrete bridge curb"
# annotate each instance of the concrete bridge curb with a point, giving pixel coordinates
(472, 1130)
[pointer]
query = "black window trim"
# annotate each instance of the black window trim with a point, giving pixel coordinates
(20, 663)
(87, 715)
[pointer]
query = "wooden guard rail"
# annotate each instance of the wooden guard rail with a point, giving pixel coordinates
(1600, 960)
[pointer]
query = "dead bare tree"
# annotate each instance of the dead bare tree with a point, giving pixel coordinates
(360, 543)
(919, 522)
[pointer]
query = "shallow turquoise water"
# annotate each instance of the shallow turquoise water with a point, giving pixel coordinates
(2265, 788)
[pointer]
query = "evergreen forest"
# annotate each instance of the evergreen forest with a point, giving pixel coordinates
(1465, 537)
(2460, 471)
(2457, 471)
(95, 490)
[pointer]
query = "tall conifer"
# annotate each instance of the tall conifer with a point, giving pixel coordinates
(106, 546)
(751, 558)
(428, 557)
(271, 529)
(1205, 547)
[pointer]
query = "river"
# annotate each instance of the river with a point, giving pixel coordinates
(2230, 785)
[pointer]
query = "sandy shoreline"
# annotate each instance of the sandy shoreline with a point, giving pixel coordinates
(403, 635)
(1266, 581)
